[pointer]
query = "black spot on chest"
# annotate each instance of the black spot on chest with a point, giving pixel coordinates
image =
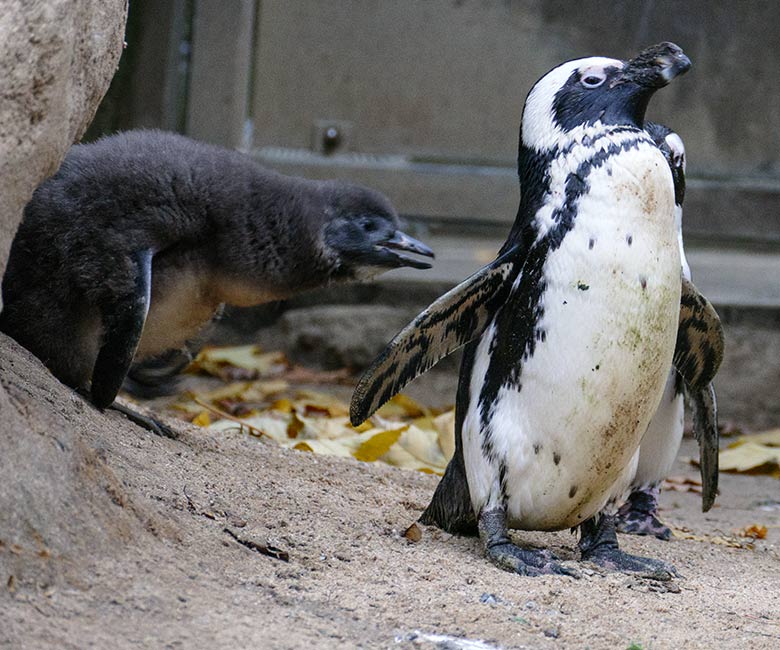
(516, 322)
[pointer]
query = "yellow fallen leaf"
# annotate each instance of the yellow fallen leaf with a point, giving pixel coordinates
(309, 399)
(294, 425)
(377, 445)
(223, 362)
(404, 433)
(445, 426)
(362, 428)
(397, 456)
(402, 406)
(681, 484)
(202, 419)
(320, 428)
(187, 406)
(754, 531)
(751, 457)
(425, 423)
(423, 445)
(271, 424)
(262, 390)
(770, 438)
(234, 390)
(282, 405)
(324, 447)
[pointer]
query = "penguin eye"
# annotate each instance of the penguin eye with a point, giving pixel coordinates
(368, 225)
(593, 79)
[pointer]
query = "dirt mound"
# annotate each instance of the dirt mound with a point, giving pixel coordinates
(113, 537)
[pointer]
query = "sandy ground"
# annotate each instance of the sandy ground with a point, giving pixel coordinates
(136, 547)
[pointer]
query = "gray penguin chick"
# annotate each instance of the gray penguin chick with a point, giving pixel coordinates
(138, 239)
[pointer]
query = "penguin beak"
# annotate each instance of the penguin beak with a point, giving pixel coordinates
(656, 66)
(402, 242)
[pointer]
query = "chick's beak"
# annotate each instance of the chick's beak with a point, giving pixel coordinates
(400, 241)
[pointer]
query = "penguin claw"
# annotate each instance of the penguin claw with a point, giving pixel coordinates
(638, 515)
(636, 523)
(599, 545)
(528, 562)
(146, 422)
(567, 569)
(645, 567)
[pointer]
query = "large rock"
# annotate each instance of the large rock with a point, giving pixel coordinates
(339, 336)
(57, 59)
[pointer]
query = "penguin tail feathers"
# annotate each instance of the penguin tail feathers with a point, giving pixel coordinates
(450, 508)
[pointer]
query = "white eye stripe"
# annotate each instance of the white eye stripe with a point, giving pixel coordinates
(540, 131)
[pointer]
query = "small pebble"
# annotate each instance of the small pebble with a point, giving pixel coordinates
(413, 533)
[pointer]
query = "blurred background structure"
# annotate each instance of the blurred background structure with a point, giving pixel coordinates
(422, 99)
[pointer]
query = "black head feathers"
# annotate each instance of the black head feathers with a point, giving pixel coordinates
(597, 90)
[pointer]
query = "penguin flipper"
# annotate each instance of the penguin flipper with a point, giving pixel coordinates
(697, 357)
(123, 322)
(450, 322)
(705, 430)
(699, 349)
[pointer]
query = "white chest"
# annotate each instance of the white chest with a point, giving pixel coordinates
(185, 296)
(181, 303)
(568, 432)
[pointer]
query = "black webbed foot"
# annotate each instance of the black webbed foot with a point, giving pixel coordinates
(639, 515)
(506, 555)
(147, 422)
(527, 562)
(598, 544)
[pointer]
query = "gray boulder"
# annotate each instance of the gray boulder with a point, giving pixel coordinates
(57, 59)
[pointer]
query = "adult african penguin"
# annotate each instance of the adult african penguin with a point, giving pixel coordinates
(661, 442)
(128, 249)
(570, 332)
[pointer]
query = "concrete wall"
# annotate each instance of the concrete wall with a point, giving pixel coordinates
(445, 80)
(425, 95)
